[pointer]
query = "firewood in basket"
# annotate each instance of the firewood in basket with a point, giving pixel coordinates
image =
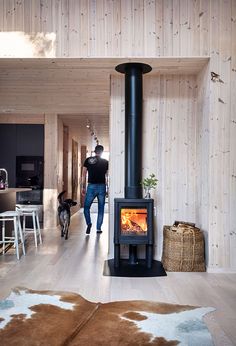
(176, 223)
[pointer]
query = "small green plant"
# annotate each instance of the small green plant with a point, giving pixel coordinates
(149, 183)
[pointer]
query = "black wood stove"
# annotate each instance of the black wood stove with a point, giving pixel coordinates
(133, 214)
(133, 226)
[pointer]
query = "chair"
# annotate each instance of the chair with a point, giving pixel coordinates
(14, 217)
(31, 211)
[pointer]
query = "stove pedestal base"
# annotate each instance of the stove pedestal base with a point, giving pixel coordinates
(125, 269)
(133, 260)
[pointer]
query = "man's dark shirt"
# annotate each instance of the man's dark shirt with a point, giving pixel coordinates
(97, 168)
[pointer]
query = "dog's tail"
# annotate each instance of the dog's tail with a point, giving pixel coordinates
(59, 197)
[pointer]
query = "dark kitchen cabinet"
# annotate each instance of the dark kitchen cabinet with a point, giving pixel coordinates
(19, 140)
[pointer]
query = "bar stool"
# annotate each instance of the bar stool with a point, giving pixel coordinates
(15, 218)
(33, 212)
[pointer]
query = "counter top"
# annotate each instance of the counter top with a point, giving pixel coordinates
(14, 189)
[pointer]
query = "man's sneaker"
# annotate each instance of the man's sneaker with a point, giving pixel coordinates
(99, 231)
(88, 229)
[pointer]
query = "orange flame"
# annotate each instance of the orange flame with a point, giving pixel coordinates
(134, 220)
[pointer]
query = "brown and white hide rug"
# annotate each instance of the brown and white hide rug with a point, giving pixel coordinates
(51, 318)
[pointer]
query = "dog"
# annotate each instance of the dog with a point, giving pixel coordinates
(64, 213)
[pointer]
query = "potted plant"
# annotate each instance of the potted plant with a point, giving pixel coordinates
(148, 184)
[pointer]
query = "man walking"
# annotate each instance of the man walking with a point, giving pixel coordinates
(97, 169)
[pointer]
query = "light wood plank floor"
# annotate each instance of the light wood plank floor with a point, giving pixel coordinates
(77, 264)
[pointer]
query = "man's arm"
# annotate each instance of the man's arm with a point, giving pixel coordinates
(84, 174)
(107, 183)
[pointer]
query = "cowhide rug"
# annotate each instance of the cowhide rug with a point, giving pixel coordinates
(48, 318)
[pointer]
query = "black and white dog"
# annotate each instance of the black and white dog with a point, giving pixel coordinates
(64, 213)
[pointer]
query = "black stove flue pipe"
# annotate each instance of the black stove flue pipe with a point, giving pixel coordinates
(133, 126)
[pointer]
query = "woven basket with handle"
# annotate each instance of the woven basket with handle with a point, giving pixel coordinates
(183, 249)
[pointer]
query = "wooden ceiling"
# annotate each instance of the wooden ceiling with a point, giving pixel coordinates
(99, 124)
(76, 88)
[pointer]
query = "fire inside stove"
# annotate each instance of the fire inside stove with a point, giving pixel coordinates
(134, 221)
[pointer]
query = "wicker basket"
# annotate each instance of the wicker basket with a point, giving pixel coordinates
(183, 249)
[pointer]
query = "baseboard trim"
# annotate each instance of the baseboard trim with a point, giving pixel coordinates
(221, 270)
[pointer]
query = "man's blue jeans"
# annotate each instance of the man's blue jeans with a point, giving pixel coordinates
(99, 191)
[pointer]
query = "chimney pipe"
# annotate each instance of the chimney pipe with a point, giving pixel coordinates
(133, 126)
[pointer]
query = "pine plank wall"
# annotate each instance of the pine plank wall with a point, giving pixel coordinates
(190, 120)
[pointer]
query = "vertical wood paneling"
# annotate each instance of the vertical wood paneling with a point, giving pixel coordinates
(70, 137)
(191, 148)
(113, 28)
(159, 27)
(151, 37)
(169, 137)
(108, 24)
(116, 164)
(116, 29)
(60, 156)
(219, 139)
(18, 13)
(151, 101)
(161, 220)
(2, 12)
(187, 159)
(76, 14)
(190, 28)
(50, 170)
(64, 32)
(205, 16)
(224, 134)
(214, 182)
(232, 178)
(202, 152)
(182, 171)
(194, 16)
(138, 28)
(35, 15)
(120, 27)
(177, 156)
(184, 27)
(176, 27)
(46, 15)
(100, 37)
(92, 27)
(9, 17)
(83, 47)
(168, 28)
(56, 25)
(171, 145)
(27, 17)
(150, 125)
(126, 27)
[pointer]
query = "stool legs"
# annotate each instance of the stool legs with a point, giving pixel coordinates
(14, 217)
(36, 226)
(21, 235)
(24, 226)
(3, 236)
(16, 238)
(35, 230)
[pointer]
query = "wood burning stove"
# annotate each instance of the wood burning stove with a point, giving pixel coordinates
(133, 214)
(133, 226)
